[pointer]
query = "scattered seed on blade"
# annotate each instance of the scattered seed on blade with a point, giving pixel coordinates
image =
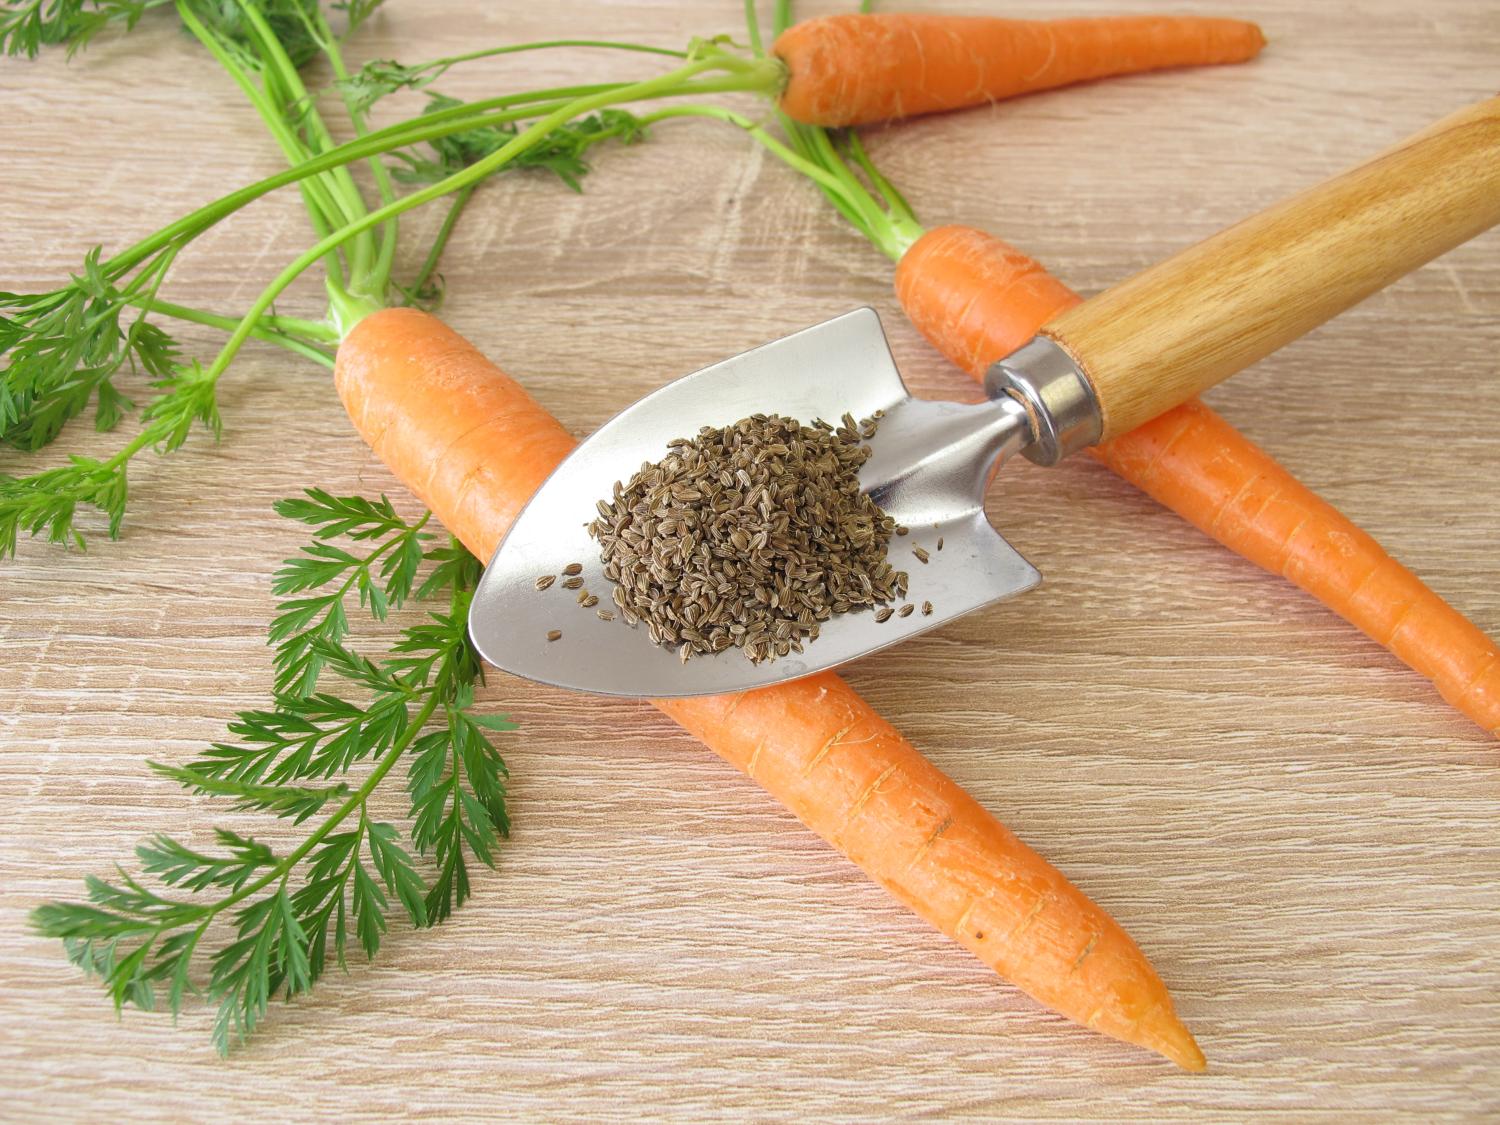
(883, 614)
(940, 543)
(572, 569)
(926, 609)
(921, 554)
(572, 583)
(900, 530)
(605, 615)
(905, 611)
(545, 580)
(583, 596)
(589, 602)
(555, 635)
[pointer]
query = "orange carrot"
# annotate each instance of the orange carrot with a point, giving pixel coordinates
(435, 410)
(858, 68)
(978, 299)
(974, 297)
(414, 389)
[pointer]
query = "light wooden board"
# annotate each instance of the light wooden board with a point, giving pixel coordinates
(1299, 833)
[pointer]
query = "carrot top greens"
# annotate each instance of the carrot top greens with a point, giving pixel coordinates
(66, 349)
(269, 921)
(29, 25)
(293, 913)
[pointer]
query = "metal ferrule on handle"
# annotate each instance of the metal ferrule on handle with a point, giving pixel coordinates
(1060, 404)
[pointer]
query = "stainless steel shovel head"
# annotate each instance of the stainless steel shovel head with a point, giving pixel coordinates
(929, 467)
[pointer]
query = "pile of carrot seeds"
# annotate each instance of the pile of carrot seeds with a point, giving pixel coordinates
(751, 536)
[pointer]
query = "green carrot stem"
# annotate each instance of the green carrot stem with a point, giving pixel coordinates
(375, 282)
(445, 231)
(752, 26)
(813, 171)
(893, 232)
(428, 127)
(449, 61)
(263, 331)
(322, 209)
(341, 184)
(781, 18)
(672, 83)
(271, 49)
(895, 202)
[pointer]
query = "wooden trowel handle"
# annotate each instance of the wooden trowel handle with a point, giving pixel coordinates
(1180, 327)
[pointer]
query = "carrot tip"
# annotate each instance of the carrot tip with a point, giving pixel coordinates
(1176, 1042)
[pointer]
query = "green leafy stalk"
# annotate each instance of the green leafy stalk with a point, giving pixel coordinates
(292, 914)
(561, 151)
(62, 347)
(331, 197)
(426, 289)
(19, 509)
(65, 348)
(55, 367)
(26, 26)
(886, 220)
(45, 503)
(382, 577)
(296, 341)
(380, 78)
(470, 115)
(377, 278)
(673, 83)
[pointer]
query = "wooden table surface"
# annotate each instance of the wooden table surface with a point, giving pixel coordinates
(1298, 832)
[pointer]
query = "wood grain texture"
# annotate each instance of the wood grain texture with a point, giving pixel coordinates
(1187, 324)
(1300, 835)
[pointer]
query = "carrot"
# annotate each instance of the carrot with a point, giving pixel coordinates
(978, 299)
(975, 297)
(858, 68)
(414, 390)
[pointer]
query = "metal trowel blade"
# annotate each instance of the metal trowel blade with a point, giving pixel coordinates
(927, 471)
